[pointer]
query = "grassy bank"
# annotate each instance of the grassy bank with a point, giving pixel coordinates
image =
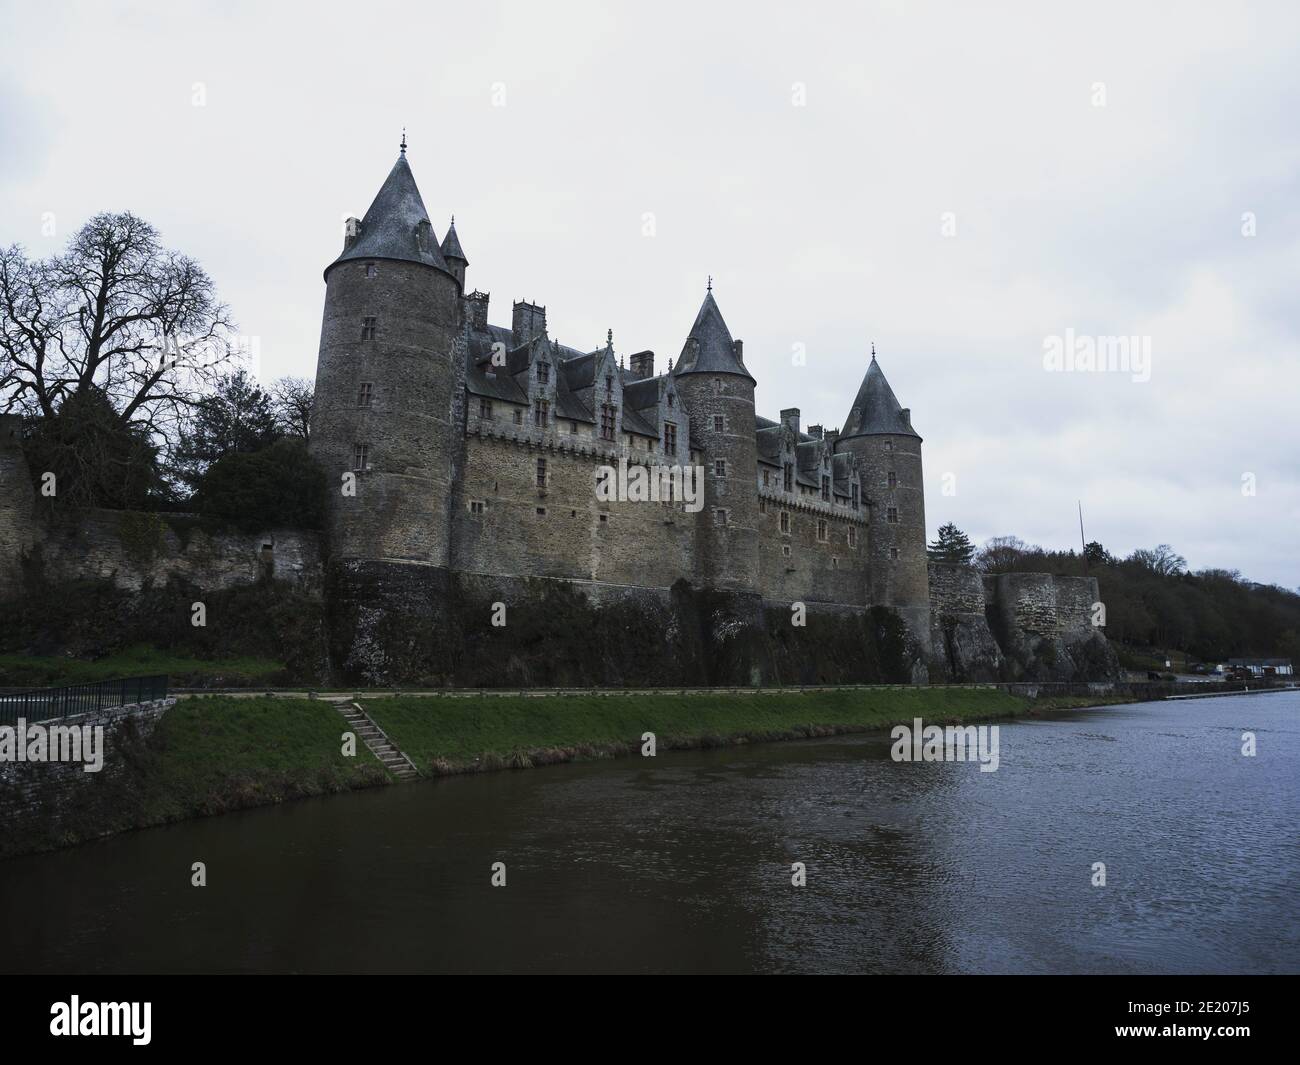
(55, 671)
(206, 756)
(214, 754)
(465, 735)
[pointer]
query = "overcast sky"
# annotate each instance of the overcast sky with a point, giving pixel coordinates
(957, 182)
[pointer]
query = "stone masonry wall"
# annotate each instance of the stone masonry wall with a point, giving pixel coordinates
(815, 571)
(133, 548)
(17, 502)
(1043, 624)
(963, 646)
(560, 529)
(39, 798)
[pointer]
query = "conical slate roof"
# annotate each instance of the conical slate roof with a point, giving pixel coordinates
(876, 410)
(451, 245)
(392, 226)
(713, 350)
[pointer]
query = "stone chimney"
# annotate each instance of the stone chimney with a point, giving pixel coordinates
(641, 365)
(351, 231)
(478, 310)
(790, 417)
(816, 431)
(906, 415)
(529, 321)
(831, 436)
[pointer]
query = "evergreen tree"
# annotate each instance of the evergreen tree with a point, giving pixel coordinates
(953, 546)
(237, 419)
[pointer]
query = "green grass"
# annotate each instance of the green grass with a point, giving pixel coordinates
(214, 753)
(447, 735)
(52, 671)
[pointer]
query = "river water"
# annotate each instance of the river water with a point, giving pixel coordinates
(683, 863)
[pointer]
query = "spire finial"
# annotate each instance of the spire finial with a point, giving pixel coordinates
(873, 349)
(453, 220)
(710, 288)
(609, 338)
(403, 146)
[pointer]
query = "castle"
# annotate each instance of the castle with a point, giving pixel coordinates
(472, 449)
(469, 541)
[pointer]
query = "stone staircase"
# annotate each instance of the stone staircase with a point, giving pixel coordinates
(392, 757)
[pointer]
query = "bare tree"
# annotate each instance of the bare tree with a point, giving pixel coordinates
(293, 399)
(1001, 554)
(1161, 559)
(116, 312)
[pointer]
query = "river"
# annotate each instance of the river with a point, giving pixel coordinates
(683, 863)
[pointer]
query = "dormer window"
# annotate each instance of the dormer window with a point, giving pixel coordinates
(670, 401)
(543, 372)
(423, 235)
(609, 384)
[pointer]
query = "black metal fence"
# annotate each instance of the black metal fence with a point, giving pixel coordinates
(41, 704)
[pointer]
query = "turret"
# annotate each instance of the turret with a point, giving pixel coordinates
(453, 255)
(718, 392)
(381, 426)
(879, 434)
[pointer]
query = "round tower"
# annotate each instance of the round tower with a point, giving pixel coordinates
(381, 422)
(879, 434)
(718, 394)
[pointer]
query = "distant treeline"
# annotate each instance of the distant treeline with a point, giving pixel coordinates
(1153, 601)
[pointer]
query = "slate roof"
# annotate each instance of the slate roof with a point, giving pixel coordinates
(499, 386)
(451, 248)
(876, 410)
(388, 230)
(709, 347)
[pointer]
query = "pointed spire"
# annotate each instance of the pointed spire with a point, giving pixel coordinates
(709, 347)
(396, 226)
(876, 409)
(451, 248)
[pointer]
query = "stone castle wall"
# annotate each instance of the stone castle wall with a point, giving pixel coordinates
(815, 570)
(135, 548)
(505, 524)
